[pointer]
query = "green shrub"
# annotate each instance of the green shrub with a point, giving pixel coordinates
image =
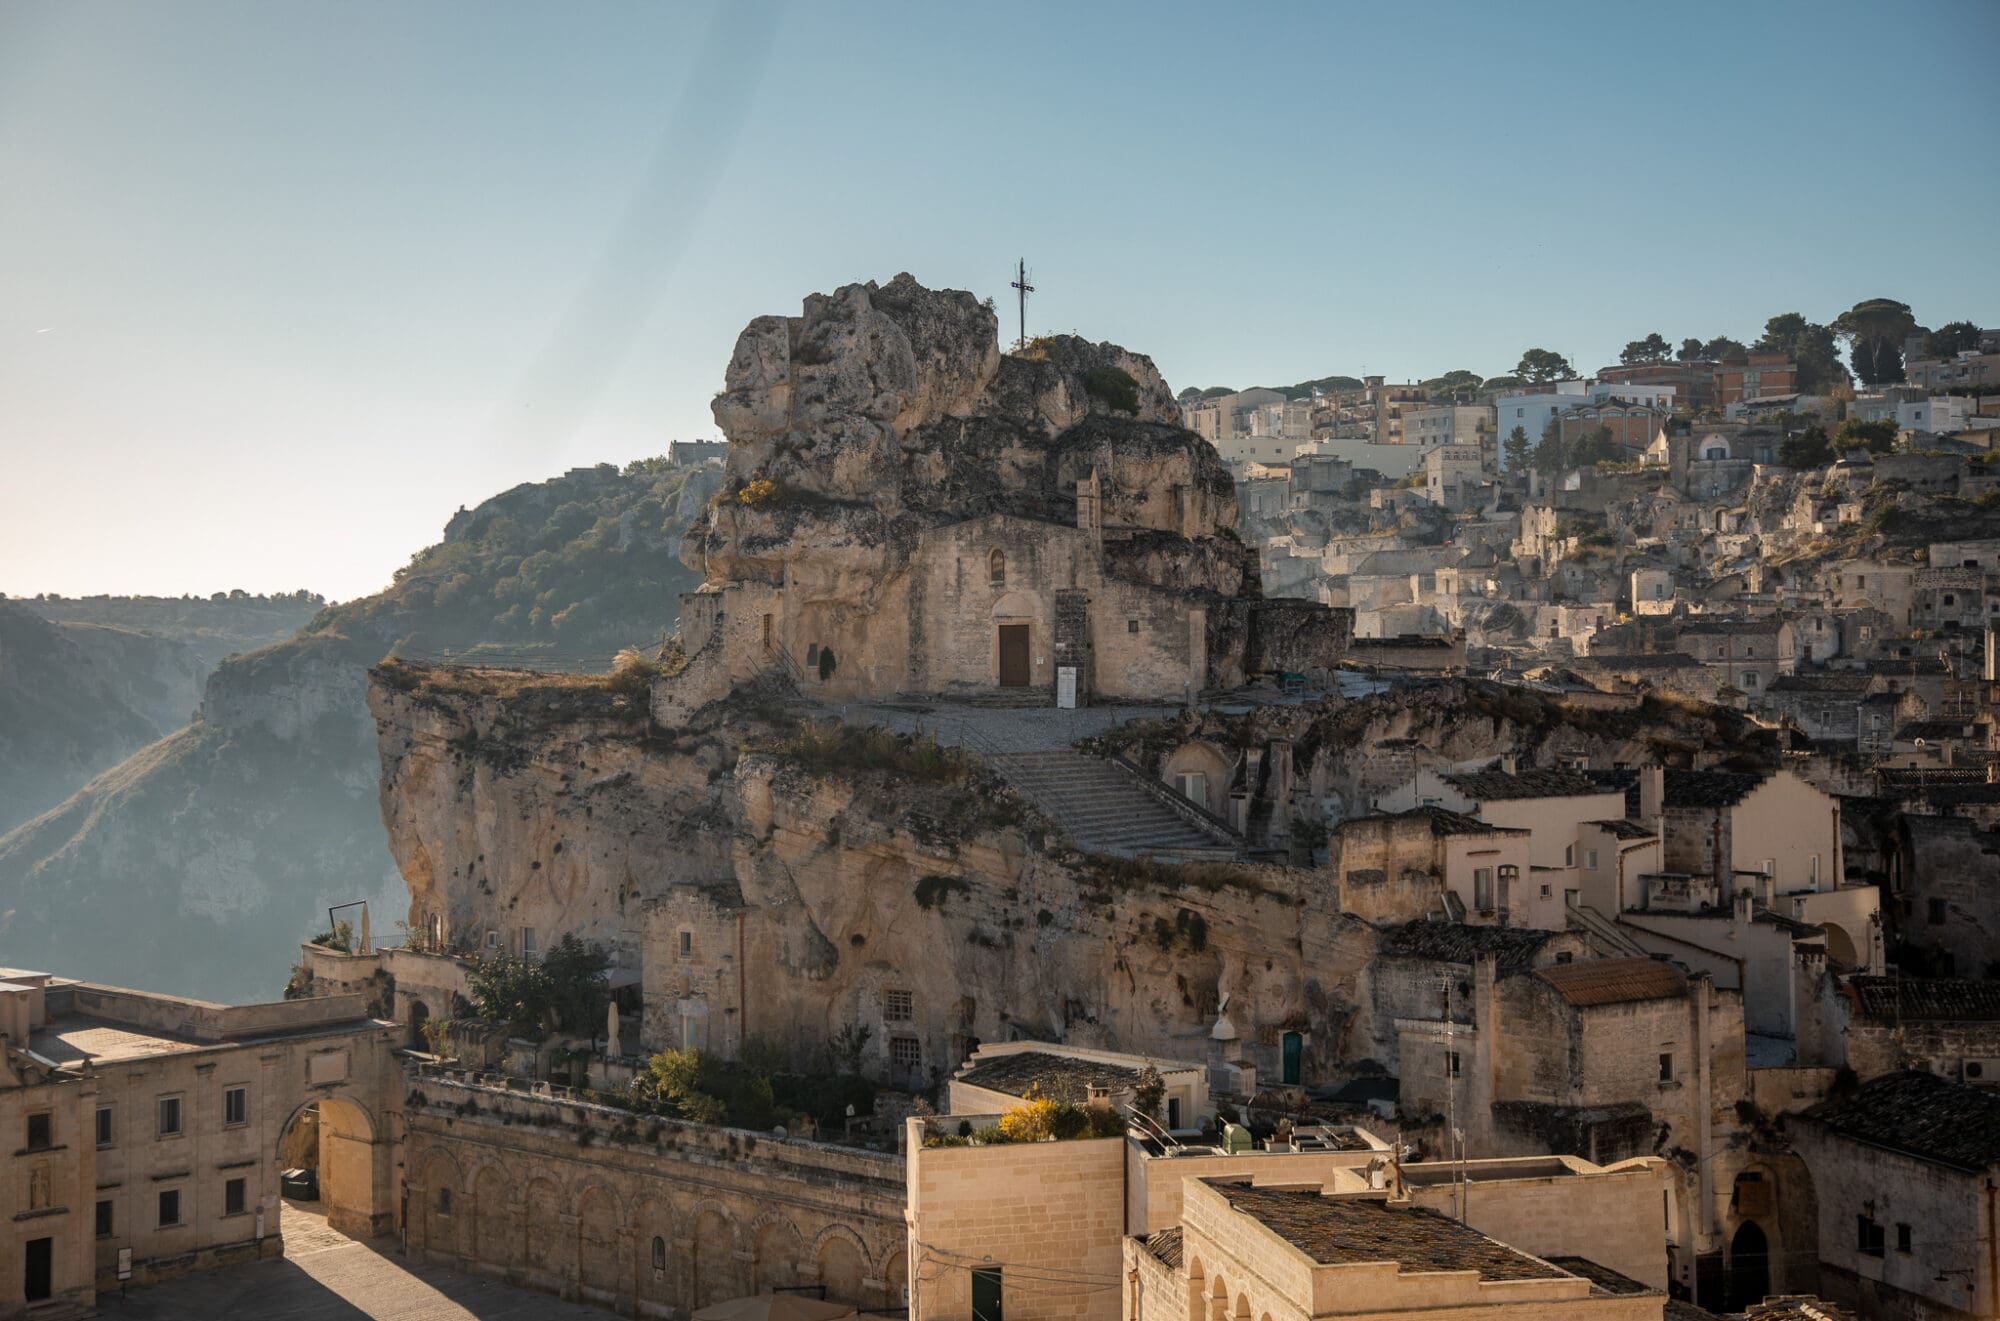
(1113, 387)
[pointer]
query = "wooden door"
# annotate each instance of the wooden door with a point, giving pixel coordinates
(1013, 655)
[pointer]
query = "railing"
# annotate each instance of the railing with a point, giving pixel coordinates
(1182, 806)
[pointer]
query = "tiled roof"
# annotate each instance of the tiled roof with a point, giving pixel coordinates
(1166, 1245)
(1938, 730)
(1603, 1280)
(1794, 1307)
(1620, 827)
(1920, 1115)
(1791, 924)
(1681, 788)
(1732, 627)
(1494, 786)
(1336, 1230)
(1672, 660)
(1837, 682)
(1614, 981)
(1444, 821)
(1061, 1077)
(1934, 999)
(1513, 948)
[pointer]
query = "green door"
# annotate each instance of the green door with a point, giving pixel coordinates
(1294, 1046)
(986, 1295)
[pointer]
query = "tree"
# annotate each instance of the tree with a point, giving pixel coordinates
(1596, 445)
(1653, 348)
(1951, 339)
(1458, 386)
(1540, 366)
(1551, 455)
(1810, 448)
(1690, 351)
(1148, 1092)
(1516, 449)
(1810, 347)
(1722, 347)
(1875, 329)
(567, 989)
(1878, 437)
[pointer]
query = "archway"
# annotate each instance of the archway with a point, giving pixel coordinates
(1840, 949)
(344, 1173)
(420, 1018)
(1749, 1266)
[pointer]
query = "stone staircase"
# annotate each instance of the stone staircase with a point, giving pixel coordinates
(1105, 809)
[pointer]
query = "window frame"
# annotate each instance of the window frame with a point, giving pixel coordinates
(160, 1104)
(105, 1128)
(899, 1005)
(239, 1094)
(160, 1209)
(240, 1188)
(46, 1121)
(105, 1224)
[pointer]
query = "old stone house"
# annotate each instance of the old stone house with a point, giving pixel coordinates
(1905, 1170)
(1429, 860)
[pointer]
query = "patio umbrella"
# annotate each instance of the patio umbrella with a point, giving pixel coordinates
(775, 1307)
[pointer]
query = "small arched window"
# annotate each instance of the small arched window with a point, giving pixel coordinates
(996, 567)
(659, 1253)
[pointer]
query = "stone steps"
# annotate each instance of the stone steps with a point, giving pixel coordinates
(1101, 808)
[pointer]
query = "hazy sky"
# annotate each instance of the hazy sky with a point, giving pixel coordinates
(282, 285)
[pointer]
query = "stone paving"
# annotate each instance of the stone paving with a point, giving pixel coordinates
(327, 1276)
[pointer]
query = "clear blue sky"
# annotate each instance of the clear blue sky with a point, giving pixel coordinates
(284, 284)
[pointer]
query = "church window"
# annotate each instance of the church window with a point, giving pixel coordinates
(687, 944)
(996, 567)
(659, 1253)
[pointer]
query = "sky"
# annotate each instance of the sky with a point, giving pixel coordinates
(283, 285)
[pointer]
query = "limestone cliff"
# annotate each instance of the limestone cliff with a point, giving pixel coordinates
(809, 887)
(197, 864)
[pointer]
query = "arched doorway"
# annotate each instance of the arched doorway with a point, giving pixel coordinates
(1749, 1266)
(332, 1140)
(420, 1019)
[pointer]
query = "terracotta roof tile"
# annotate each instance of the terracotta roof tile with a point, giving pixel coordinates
(1920, 1115)
(1935, 999)
(1334, 1230)
(1614, 981)
(1495, 786)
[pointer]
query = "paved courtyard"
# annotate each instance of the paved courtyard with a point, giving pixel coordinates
(326, 1276)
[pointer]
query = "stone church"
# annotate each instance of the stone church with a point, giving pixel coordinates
(909, 511)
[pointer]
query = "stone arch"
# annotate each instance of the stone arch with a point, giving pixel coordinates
(1218, 1299)
(895, 1278)
(1018, 606)
(1201, 757)
(355, 1176)
(842, 1261)
(1196, 1289)
(419, 1019)
(1242, 1307)
(495, 1240)
(542, 1204)
(652, 1224)
(776, 1252)
(715, 1274)
(1842, 949)
(443, 1207)
(1749, 1265)
(600, 1235)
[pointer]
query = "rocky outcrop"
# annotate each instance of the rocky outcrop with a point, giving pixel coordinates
(883, 410)
(564, 811)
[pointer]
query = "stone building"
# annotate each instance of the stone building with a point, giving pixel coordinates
(1000, 1074)
(1433, 861)
(1947, 1026)
(1906, 1169)
(152, 1127)
(910, 511)
(1245, 1249)
(1947, 887)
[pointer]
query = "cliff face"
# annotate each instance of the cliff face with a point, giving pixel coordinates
(557, 809)
(233, 836)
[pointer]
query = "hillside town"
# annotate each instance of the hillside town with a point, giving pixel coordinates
(1510, 847)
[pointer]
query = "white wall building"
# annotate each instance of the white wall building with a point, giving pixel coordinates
(1531, 412)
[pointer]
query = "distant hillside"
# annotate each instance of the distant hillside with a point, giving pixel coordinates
(210, 627)
(233, 836)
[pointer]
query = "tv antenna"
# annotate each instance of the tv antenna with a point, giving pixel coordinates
(1023, 288)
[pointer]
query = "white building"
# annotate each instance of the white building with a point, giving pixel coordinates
(1531, 412)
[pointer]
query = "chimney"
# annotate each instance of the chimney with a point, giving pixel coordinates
(1097, 1096)
(1652, 793)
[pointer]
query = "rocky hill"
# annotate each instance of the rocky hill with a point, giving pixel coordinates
(235, 833)
(86, 682)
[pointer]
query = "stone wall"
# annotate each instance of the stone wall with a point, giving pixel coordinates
(1053, 1211)
(598, 1204)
